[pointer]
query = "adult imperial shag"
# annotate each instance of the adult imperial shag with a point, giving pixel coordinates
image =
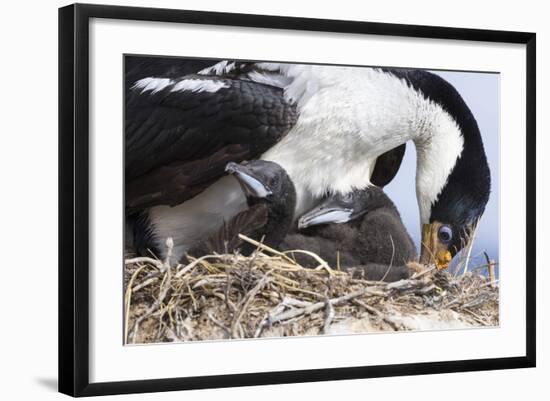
(329, 127)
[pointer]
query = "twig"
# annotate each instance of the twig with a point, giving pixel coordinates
(490, 269)
(403, 284)
(144, 284)
(267, 320)
(128, 301)
(476, 317)
(266, 248)
(165, 286)
(317, 306)
(208, 280)
(372, 310)
(288, 301)
(329, 312)
(423, 272)
(470, 247)
(219, 324)
(492, 284)
(230, 305)
(246, 301)
(322, 264)
(391, 260)
(194, 263)
(476, 301)
(144, 259)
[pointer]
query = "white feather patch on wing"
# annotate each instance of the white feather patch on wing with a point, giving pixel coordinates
(199, 85)
(223, 67)
(152, 84)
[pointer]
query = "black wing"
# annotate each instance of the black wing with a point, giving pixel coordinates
(181, 133)
(182, 180)
(387, 165)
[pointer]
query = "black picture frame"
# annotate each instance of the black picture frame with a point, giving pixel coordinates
(74, 198)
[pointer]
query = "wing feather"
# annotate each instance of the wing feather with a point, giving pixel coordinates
(197, 127)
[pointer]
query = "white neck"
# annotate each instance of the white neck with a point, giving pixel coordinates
(438, 146)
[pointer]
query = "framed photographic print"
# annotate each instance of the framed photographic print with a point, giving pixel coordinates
(249, 199)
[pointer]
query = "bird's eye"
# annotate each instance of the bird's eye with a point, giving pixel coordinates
(445, 234)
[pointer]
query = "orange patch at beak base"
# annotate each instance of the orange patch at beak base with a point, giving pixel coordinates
(433, 251)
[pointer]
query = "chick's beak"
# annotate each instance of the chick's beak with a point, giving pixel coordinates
(249, 182)
(325, 215)
(433, 251)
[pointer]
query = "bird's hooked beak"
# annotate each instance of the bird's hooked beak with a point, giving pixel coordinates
(249, 182)
(433, 250)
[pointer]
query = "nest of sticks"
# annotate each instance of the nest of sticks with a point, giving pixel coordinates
(268, 294)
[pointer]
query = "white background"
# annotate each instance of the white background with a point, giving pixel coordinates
(28, 161)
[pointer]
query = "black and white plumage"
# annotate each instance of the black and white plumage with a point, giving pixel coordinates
(345, 119)
(181, 130)
(180, 133)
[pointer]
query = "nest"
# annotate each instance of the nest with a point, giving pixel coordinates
(269, 294)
